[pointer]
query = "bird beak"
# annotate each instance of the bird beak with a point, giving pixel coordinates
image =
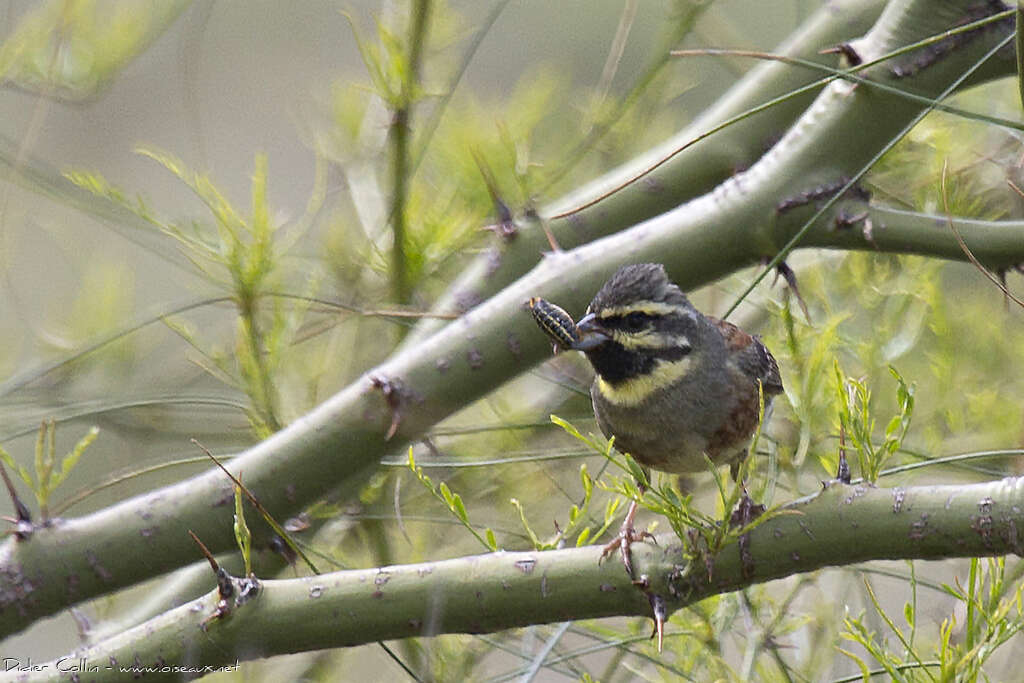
(591, 333)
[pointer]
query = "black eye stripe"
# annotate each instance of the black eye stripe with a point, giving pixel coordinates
(638, 320)
(629, 321)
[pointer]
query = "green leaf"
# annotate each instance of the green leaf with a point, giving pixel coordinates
(636, 471)
(587, 481)
(893, 426)
(610, 509)
(22, 473)
(446, 494)
(591, 443)
(954, 592)
(865, 672)
(537, 543)
(459, 508)
(568, 427)
(243, 537)
(72, 458)
(41, 468)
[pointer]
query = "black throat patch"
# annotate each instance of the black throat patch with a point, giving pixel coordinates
(615, 363)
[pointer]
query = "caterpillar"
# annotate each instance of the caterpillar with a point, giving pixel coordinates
(555, 322)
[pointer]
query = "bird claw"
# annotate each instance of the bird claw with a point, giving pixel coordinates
(627, 536)
(746, 511)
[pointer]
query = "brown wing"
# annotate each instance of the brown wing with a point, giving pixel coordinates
(751, 356)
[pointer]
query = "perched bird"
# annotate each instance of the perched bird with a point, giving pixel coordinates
(672, 384)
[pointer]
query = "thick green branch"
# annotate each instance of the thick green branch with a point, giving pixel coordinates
(997, 244)
(840, 525)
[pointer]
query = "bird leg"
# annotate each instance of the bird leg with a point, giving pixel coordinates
(745, 513)
(627, 535)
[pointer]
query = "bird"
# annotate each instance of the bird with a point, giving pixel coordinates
(671, 385)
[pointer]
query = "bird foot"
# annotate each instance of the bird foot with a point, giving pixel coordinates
(627, 536)
(746, 511)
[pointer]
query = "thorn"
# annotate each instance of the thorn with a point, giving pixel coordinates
(1001, 275)
(206, 552)
(843, 471)
(734, 470)
(225, 589)
(552, 242)
(223, 609)
(506, 227)
(846, 50)
(23, 520)
(660, 616)
(790, 277)
(531, 215)
(844, 219)
(280, 547)
(81, 623)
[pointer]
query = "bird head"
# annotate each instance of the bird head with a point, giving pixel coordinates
(638, 324)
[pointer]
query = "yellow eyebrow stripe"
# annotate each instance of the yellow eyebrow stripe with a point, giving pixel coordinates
(649, 307)
(650, 339)
(636, 390)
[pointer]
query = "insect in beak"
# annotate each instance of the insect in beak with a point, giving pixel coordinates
(591, 334)
(555, 322)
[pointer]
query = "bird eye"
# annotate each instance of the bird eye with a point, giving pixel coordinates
(636, 322)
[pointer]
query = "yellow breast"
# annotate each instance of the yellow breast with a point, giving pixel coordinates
(636, 390)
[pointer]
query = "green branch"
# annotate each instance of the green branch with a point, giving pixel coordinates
(838, 526)
(401, 144)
